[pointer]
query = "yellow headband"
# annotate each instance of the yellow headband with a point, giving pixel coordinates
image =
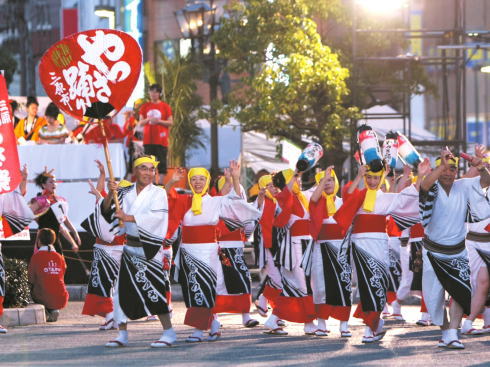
(330, 198)
(452, 161)
(379, 173)
(197, 198)
(288, 176)
(264, 181)
(221, 183)
(147, 159)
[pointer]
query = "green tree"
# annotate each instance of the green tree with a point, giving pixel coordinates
(396, 78)
(291, 84)
(8, 64)
(178, 78)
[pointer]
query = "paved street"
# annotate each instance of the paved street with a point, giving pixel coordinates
(75, 341)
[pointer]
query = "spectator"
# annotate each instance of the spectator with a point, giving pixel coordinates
(14, 106)
(46, 275)
(112, 131)
(156, 117)
(133, 133)
(28, 128)
(54, 132)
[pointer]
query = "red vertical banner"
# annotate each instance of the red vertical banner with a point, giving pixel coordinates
(70, 22)
(10, 175)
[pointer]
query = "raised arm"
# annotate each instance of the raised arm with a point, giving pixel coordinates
(235, 175)
(432, 177)
(317, 194)
(101, 180)
(360, 175)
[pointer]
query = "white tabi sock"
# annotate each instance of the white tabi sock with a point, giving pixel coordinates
(368, 333)
(425, 316)
(467, 325)
(109, 316)
(245, 318)
(122, 336)
(385, 309)
(271, 322)
(344, 326)
(197, 334)
(451, 334)
(396, 308)
(486, 316)
(215, 325)
(322, 324)
(262, 302)
(169, 336)
(310, 327)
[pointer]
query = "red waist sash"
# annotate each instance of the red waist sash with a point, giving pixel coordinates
(198, 234)
(118, 240)
(237, 235)
(300, 228)
(330, 231)
(368, 223)
(417, 231)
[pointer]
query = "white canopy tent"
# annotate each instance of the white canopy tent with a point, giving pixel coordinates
(383, 125)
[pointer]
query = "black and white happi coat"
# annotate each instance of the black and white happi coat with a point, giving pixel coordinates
(478, 251)
(236, 275)
(17, 215)
(330, 270)
(444, 217)
(198, 265)
(143, 285)
(106, 259)
(370, 250)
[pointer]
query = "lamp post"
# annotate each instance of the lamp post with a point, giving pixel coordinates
(197, 22)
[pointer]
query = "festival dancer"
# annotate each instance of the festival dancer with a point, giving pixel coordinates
(234, 290)
(366, 210)
(143, 285)
(477, 241)
(264, 239)
(331, 274)
(15, 215)
(295, 303)
(197, 262)
(106, 258)
(445, 205)
(52, 211)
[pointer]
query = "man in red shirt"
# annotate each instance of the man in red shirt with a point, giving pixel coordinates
(46, 274)
(156, 117)
(112, 131)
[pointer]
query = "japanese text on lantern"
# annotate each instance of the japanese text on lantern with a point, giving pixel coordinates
(88, 81)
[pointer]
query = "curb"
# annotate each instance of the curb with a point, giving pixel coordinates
(30, 315)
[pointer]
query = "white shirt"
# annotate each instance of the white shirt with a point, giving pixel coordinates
(447, 225)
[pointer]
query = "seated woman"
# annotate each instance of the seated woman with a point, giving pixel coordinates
(28, 128)
(54, 132)
(46, 274)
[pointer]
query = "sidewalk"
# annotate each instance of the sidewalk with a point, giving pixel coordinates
(76, 341)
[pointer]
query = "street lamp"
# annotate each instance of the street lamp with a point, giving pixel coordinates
(109, 12)
(197, 23)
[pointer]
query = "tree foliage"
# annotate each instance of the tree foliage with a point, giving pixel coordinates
(178, 78)
(17, 289)
(8, 64)
(291, 84)
(406, 75)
